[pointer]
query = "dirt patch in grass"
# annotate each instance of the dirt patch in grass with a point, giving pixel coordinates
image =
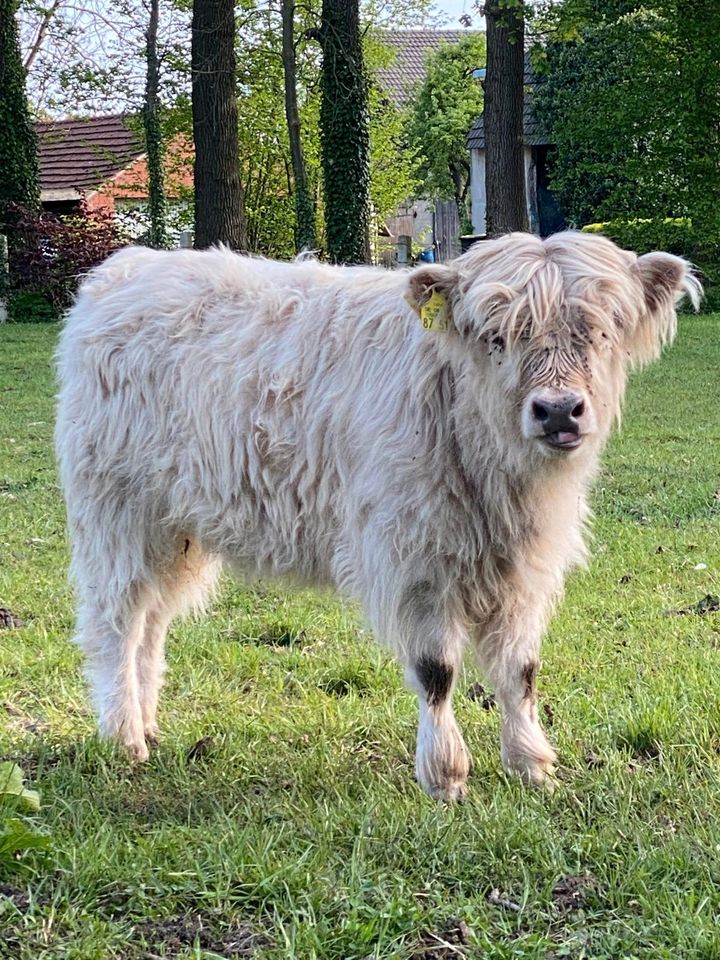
(644, 745)
(279, 635)
(343, 686)
(10, 620)
(593, 761)
(200, 749)
(479, 694)
(14, 895)
(173, 935)
(571, 892)
(709, 604)
(444, 944)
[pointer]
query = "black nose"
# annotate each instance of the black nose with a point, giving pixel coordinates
(560, 413)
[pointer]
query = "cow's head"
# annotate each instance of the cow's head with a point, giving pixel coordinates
(553, 326)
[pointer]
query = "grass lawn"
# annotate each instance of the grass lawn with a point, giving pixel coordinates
(295, 829)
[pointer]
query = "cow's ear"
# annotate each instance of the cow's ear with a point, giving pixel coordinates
(665, 278)
(426, 281)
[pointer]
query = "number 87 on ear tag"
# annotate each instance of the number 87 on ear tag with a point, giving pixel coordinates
(434, 314)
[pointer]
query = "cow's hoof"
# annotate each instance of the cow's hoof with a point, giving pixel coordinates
(532, 772)
(138, 752)
(443, 775)
(451, 792)
(152, 735)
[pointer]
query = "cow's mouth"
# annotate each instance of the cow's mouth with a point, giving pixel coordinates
(563, 439)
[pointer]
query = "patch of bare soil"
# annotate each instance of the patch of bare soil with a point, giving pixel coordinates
(200, 749)
(479, 694)
(14, 895)
(445, 944)
(9, 620)
(709, 604)
(174, 935)
(571, 892)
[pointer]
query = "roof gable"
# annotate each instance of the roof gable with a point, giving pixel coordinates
(411, 49)
(81, 155)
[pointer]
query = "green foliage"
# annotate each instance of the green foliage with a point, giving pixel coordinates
(344, 133)
(631, 98)
(441, 114)
(19, 176)
(393, 162)
(13, 791)
(674, 235)
(157, 199)
(17, 833)
(31, 306)
(271, 208)
(605, 104)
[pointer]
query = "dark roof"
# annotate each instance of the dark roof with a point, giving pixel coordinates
(83, 154)
(532, 132)
(532, 135)
(410, 49)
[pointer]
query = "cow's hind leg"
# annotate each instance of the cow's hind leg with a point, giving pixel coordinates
(181, 587)
(129, 592)
(111, 627)
(433, 646)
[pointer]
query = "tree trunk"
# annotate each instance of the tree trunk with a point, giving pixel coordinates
(19, 178)
(304, 208)
(344, 136)
(504, 95)
(219, 200)
(153, 135)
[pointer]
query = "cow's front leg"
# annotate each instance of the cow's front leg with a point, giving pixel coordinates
(433, 653)
(509, 656)
(442, 762)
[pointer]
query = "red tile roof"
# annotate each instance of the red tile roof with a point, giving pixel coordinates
(411, 48)
(82, 154)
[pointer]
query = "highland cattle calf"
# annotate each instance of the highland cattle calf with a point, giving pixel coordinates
(422, 440)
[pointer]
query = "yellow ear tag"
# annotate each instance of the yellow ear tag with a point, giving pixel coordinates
(434, 314)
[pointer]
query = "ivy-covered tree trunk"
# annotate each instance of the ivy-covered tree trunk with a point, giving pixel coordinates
(157, 235)
(19, 176)
(504, 95)
(219, 199)
(304, 207)
(344, 137)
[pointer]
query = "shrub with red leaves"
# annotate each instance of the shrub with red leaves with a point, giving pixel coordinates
(48, 256)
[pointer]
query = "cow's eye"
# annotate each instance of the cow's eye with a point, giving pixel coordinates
(498, 343)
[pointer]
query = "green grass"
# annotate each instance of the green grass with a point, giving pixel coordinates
(299, 832)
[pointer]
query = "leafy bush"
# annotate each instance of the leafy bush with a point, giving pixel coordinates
(677, 236)
(28, 306)
(50, 254)
(642, 236)
(17, 833)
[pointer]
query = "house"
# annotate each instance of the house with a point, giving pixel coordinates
(102, 161)
(430, 225)
(544, 216)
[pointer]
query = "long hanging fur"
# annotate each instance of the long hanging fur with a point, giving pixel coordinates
(297, 419)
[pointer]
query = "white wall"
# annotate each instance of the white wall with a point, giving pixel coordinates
(478, 195)
(478, 198)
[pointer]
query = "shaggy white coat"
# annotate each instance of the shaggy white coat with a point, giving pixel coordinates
(297, 419)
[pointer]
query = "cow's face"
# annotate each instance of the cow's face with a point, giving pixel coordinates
(553, 327)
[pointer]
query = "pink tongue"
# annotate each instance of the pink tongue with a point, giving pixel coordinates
(566, 437)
